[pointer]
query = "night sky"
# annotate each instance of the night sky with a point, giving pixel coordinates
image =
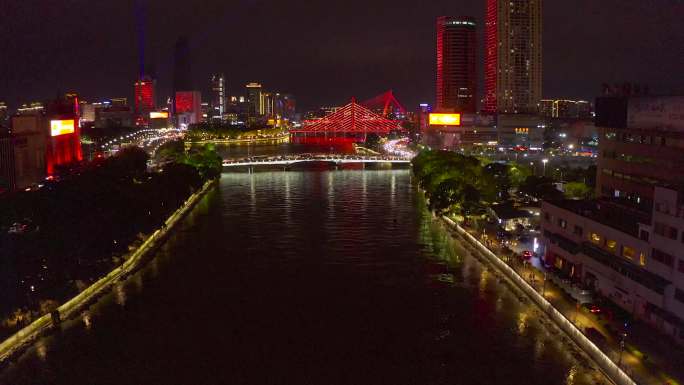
(323, 52)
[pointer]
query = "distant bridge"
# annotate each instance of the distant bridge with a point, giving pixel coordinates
(336, 159)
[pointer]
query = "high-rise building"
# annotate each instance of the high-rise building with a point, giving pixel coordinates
(218, 96)
(256, 99)
(456, 64)
(181, 66)
(422, 118)
(565, 109)
(267, 100)
(188, 107)
(64, 140)
(285, 106)
(144, 96)
(513, 56)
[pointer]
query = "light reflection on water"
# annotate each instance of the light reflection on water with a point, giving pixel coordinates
(307, 277)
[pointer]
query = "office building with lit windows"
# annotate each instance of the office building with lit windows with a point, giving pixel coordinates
(565, 109)
(218, 96)
(513, 56)
(456, 64)
(255, 95)
(628, 244)
(641, 144)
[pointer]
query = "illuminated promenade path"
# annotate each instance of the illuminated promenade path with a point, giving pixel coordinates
(310, 158)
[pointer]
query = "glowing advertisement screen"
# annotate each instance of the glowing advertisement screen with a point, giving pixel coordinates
(159, 115)
(61, 127)
(445, 119)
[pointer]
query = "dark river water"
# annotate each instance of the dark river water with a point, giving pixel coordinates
(306, 277)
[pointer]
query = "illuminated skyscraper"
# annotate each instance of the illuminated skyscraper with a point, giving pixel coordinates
(456, 64)
(218, 96)
(144, 96)
(256, 100)
(64, 144)
(513, 61)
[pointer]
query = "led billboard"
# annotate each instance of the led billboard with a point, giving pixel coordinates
(61, 127)
(159, 115)
(445, 119)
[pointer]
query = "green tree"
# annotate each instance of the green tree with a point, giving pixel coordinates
(517, 173)
(129, 162)
(447, 194)
(206, 160)
(173, 151)
(578, 190)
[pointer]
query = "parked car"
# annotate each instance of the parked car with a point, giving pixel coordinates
(592, 308)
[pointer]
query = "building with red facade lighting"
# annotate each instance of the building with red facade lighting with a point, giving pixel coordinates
(513, 61)
(456, 64)
(64, 134)
(144, 96)
(188, 107)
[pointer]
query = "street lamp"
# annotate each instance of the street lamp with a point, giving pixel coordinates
(622, 344)
(545, 161)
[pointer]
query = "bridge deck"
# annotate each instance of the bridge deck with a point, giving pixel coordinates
(336, 159)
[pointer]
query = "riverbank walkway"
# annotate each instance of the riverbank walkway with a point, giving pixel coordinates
(643, 355)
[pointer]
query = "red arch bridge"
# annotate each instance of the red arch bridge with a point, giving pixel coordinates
(353, 122)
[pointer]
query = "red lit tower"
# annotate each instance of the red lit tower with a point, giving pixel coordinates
(64, 133)
(490, 56)
(456, 64)
(144, 96)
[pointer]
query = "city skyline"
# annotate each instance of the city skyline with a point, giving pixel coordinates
(342, 192)
(578, 35)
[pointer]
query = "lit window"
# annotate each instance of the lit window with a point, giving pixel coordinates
(628, 252)
(595, 238)
(611, 245)
(642, 259)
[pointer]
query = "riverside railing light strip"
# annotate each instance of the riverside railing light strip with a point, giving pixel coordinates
(608, 367)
